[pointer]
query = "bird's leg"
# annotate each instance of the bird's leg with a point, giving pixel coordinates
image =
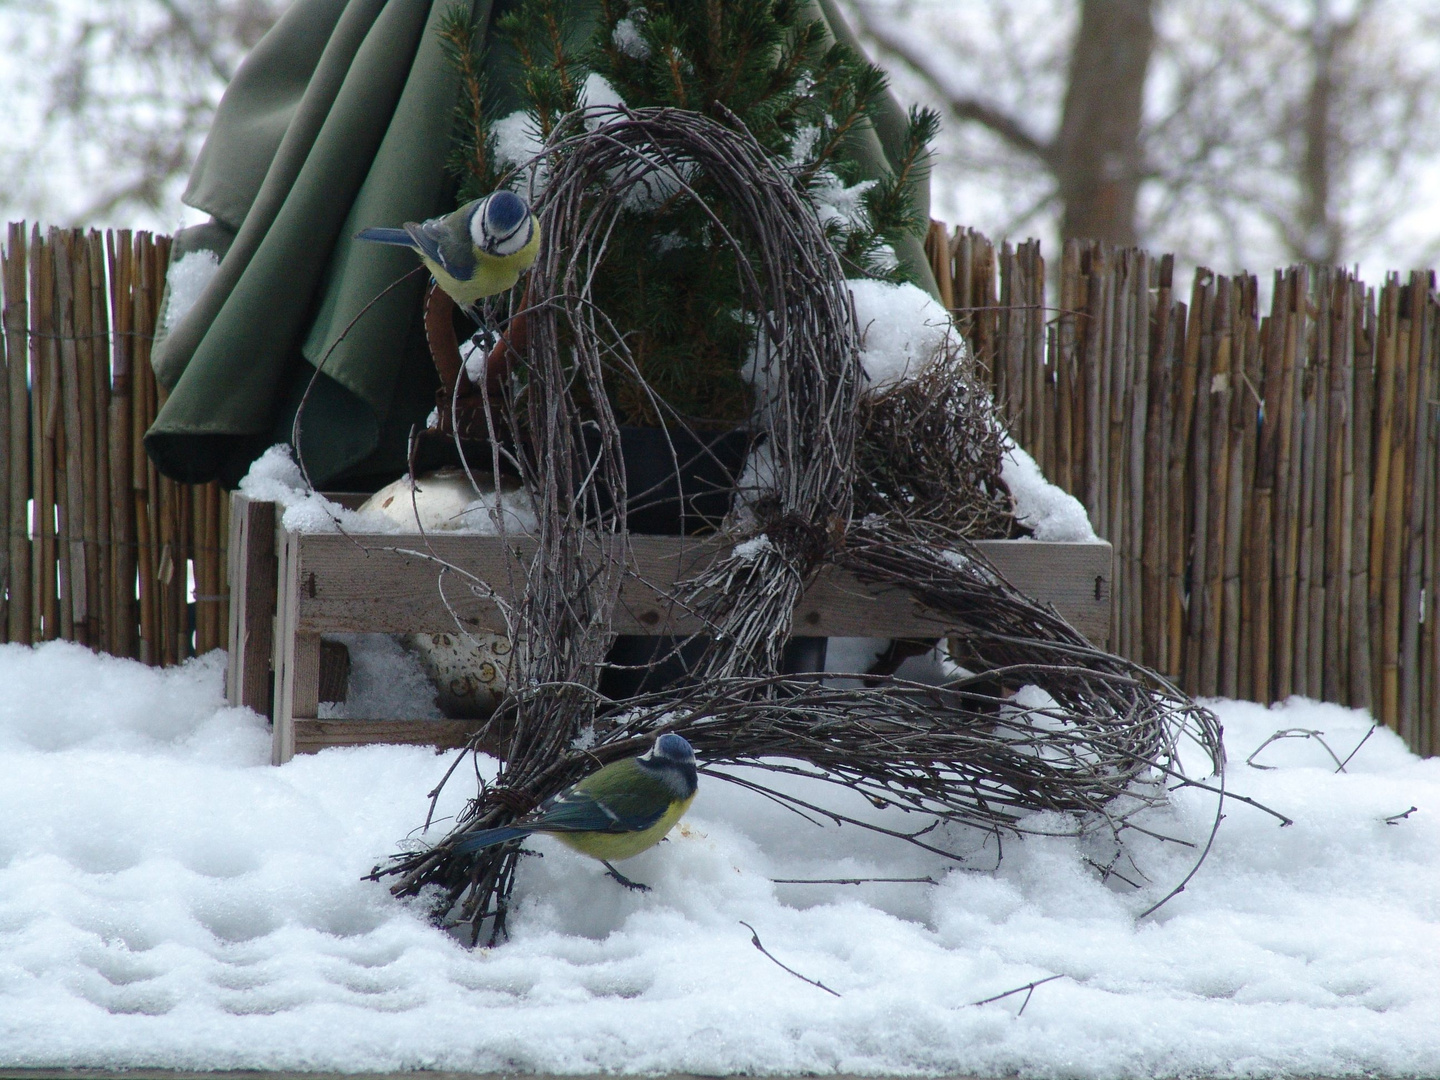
(618, 876)
(484, 337)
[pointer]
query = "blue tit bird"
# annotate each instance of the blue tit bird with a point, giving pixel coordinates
(477, 251)
(619, 811)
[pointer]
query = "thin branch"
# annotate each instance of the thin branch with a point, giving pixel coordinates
(965, 106)
(755, 940)
(1027, 990)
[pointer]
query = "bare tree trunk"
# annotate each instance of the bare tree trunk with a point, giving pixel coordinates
(1097, 157)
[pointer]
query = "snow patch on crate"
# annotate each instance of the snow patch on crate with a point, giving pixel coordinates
(276, 477)
(1049, 512)
(447, 502)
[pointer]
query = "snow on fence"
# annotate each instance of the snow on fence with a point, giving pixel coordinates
(100, 548)
(1269, 481)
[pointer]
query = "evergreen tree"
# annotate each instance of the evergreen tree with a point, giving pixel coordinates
(762, 63)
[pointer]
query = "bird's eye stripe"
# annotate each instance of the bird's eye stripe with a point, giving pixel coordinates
(509, 235)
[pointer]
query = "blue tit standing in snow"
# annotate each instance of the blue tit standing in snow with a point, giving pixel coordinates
(477, 251)
(619, 811)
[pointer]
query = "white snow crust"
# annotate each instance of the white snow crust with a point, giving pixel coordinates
(446, 500)
(168, 899)
(1049, 512)
(902, 329)
(186, 280)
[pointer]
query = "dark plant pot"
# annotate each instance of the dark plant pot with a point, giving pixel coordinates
(676, 483)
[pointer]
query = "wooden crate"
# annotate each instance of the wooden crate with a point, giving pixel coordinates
(288, 588)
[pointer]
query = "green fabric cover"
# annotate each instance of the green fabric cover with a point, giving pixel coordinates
(340, 118)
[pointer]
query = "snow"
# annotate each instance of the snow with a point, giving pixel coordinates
(186, 280)
(168, 899)
(629, 40)
(902, 329)
(446, 501)
(1049, 512)
(749, 550)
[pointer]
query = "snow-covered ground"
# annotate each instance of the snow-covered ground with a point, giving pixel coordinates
(167, 898)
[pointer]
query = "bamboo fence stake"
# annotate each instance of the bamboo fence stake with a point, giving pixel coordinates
(72, 528)
(1287, 482)
(964, 254)
(1138, 392)
(937, 247)
(1038, 392)
(1394, 538)
(1203, 309)
(1118, 365)
(223, 563)
(87, 584)
(1220, 387)
(1239, 453)
(1363, 346)
(37, 405)
(17, 325)
(1312, 484)
(1429, 742)
(1307, 463)
(1112, 406)
(1091, 363)
(52, 445)
(1340, 496)
(1380, 500)
(1412, 524)
(120, 247)
(1007, 362)
(1320, 483)
(1067, 475)
(1153, 530)
(1182, 509)
(215, 541)
(1429, 717)
(103, 594)
(174, 496)
(142, 392)
(1261, 569)
(1111, 413)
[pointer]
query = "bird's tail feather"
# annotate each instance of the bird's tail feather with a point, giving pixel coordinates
(484, 838)
(398, 237)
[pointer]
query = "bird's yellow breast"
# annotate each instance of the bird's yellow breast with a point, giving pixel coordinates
(611, 846)
(493, 274)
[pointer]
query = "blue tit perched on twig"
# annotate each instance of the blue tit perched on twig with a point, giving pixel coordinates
(477, 251)
(619, 811)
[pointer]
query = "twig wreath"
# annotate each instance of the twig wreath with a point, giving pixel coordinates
(1101, 747)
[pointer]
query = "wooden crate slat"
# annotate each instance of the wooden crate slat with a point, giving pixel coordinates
(382, 583)
(311, 736)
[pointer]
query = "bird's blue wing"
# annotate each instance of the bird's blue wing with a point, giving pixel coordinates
(442, 243)
(579, 810)
(398, 237)
(483, 838)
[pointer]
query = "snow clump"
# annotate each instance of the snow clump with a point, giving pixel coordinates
(186, 280)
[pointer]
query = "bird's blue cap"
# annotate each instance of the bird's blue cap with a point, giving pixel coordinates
(674, 747)
(504, 213)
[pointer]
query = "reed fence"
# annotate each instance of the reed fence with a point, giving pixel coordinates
(100, 548)
(1268, 481)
